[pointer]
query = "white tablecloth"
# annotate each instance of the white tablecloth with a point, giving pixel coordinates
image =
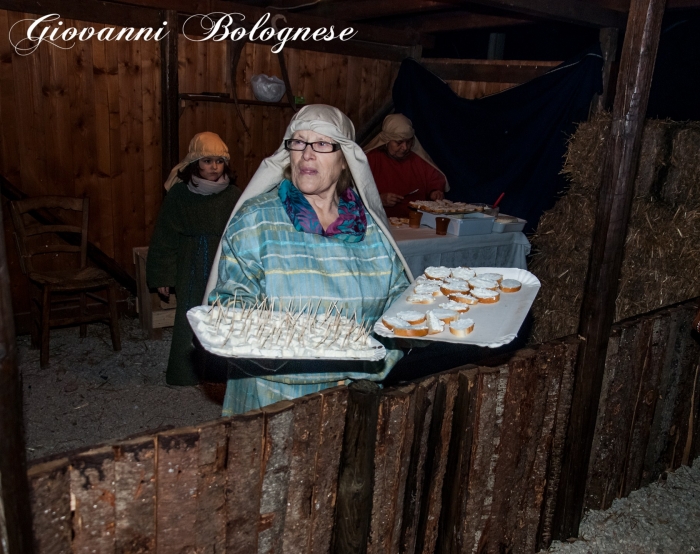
(423, 248)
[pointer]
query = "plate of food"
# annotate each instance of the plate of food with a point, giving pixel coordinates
(398, 222)
(482, 306)
(260, 331)
(445, 207)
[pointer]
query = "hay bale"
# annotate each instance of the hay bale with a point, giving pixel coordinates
(682, 184)
(653, 158)
(662, 249)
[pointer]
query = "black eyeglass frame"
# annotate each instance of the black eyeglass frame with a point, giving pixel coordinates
(335, 145)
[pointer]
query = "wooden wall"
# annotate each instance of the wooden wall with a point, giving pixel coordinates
(464, 461)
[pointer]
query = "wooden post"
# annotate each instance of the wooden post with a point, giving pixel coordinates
(16, 526)
(598, 307)
(354, 504)
(608, 45)
(170, 116)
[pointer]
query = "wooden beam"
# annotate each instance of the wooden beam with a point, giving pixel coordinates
(612, 217)
(369, 9)
(453, 21)
(93, 11)
(568, 11)
(16, 525)
(608, 45)
(491, 71)
(170, 114)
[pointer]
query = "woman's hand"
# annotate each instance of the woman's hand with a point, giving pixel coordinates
(437, 195)
(390, 199)
(164, 291)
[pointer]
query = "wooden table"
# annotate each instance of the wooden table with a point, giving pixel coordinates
(423, 248)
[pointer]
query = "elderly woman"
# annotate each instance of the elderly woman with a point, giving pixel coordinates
(201, 195)
(402, 169)
(309, 228)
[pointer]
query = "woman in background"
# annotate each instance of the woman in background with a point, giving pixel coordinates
(201, 196)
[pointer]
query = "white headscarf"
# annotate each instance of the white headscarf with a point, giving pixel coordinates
(202, 145)
(398, 127)
(331, 122)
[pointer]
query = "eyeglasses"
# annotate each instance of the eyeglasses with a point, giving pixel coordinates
(322, 147)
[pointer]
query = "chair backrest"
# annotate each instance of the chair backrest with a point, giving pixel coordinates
(48, 223)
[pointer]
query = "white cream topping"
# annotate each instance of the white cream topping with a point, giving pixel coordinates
(395, 322)
(462, 323)
(420, 298)
(463, 273)
(427, 288)
(490, 276)
(435, 325)
(479, 283)
(410, 315)
(484, 293)
(456, 306)
(511, 284)
(444, 314)
(437, 272)
(465, 298)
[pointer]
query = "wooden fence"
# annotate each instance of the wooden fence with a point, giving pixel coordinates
(464, 461)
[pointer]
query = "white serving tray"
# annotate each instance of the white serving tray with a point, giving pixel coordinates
(494, 324)
(474, 223)
(375, 352)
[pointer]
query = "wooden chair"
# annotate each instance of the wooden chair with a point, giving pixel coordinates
(38, 239)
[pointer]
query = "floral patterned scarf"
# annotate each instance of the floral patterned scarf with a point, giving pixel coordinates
(350, 225)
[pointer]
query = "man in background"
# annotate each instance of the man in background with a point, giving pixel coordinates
(402, 169)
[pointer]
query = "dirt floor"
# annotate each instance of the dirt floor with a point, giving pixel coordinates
(90, 394)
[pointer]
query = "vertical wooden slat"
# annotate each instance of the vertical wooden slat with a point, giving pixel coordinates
(50, 498)
(354, 505)
(558, 437)
(656, 330)
(456, 491)
(176, 500)
(211, 488)
(92, 487)
(423, 398)
(485, 453)
(170, 89)
(436, 462)
(116, 174)
(9, 146)
(279, 420)
(103, 164)
(302, 468)
(135, 495)
(243, 484)
(152, 184)
(352, 93)
(335, 404)
(392, 449)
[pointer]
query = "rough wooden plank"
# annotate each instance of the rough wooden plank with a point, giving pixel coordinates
(335, 404)
(135, 496)
(423, 398)
(616, 415)
(279, 420)
(92, 488)
(211, 488)
(456, 494)
(392, 448)
(354, 505)
(176, 500)
(51, 511)
(656, 330)
(558, 439)
(485, 452)
(436, 461)
(302, 467)
(244, 477)
(550, 364)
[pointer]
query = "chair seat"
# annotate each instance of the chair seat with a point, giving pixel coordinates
(72, 279)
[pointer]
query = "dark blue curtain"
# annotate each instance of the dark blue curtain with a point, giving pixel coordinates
(512, 142)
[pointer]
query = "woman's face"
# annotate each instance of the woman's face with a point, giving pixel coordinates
(211, 169)
(315, 173)
(399, 149)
